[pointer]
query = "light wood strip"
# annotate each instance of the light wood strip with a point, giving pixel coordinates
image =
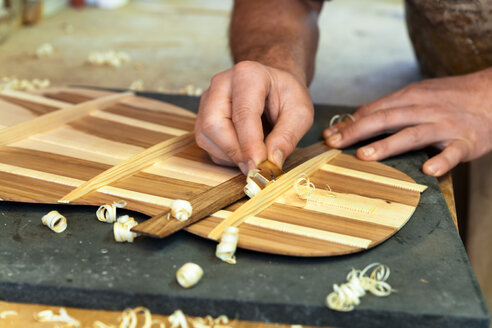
(138, 123)
(353, 207)
(62, 180)
(55, 119)
(374, 178)
(12, 114)
(300, 230)
(118, 132)
(34, 99)
(267, 196)
(132, 165)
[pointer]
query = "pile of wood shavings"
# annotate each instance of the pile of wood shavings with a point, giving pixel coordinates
(108, 58)
(49, 316)
(15, 84)
(5, 314)
(346, 296)
(44, 50)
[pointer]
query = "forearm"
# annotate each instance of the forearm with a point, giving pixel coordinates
(278, 33)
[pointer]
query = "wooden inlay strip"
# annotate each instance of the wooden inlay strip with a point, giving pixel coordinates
(34, 99)
(352, 206)
(300, 230)
(57, 118)
(267, 196)
(132, 165)
(138, 123)
(374, 178)
(113, 191)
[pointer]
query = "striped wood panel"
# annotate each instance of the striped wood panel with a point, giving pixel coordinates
(361, 211)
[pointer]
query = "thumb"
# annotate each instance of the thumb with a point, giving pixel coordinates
(288, 130)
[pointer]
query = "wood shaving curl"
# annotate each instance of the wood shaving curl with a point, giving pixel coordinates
(49, 316)
(122, 229)
(137, 85)
(181, 210)
(189, 275)
(107, 213)
(338, 118)
(251, 188)
(304, 187)
(55, 221)
(227, 246)
(346, 296)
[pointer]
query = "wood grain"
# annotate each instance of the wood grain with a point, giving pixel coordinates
(267, 196)
(55, 119)
(135, 164)
(366, 204)
(215, 199)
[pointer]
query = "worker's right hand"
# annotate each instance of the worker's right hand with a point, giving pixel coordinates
(229, 125)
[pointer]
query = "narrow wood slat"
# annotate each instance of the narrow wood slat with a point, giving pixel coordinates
(216, 198)
(57, 118)
(23, 96)
(374, 178)
(132, 165)
(267, 196)
(300, 230)
(71, 182)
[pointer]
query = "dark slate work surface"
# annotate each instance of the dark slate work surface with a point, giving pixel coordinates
(84, 267)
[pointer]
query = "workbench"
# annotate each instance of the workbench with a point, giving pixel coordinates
(85, 268)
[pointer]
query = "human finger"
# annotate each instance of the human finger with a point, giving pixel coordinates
(214, 129)
(250, 87)
(378, 123)
(290, 127)
(451, 156)
(411, 138)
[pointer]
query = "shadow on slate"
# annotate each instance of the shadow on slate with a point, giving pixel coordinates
(84, 267)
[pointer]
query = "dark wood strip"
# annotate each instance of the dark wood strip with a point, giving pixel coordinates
(195, 153)
(157, 117)
(161, 186)
(350, 185)
(51, 163)
(119, 132)
(35, 108)
(272, 241)
(350, 162)
(18, 188)
(327, 222)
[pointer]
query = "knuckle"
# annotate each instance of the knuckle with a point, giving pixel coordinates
(246, 66)
(217, 79)
(201, 141)
(241, 114)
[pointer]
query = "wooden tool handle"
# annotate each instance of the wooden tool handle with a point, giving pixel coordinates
(217, 198)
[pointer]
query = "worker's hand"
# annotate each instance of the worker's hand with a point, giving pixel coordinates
(229, 125)
(453, 114)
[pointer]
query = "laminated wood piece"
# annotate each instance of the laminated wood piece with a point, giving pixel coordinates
(134, 164)
(368, 201)
(56, 118)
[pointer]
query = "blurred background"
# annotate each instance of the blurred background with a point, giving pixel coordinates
(178, 45)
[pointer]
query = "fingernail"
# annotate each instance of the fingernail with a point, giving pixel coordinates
(433, 169)
(335, 139)
(278, 158)
(330, 131)
(251, 165)
(368, 151)
(243, 167)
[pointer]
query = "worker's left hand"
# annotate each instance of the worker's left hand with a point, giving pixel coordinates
(453, 114)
